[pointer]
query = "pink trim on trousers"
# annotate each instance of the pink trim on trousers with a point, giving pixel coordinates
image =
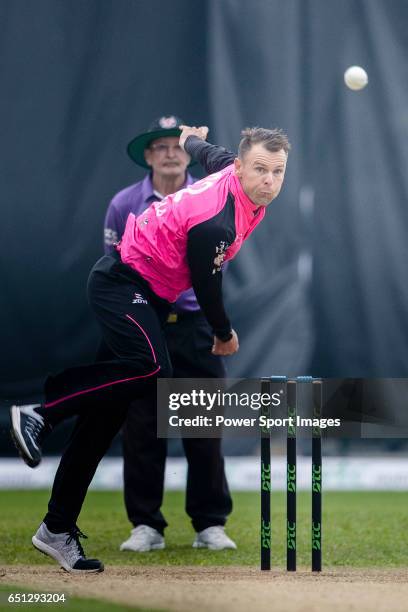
(115, 382)
(146, 336)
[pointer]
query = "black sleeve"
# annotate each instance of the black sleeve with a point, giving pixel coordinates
(212, 157)
(206, 246)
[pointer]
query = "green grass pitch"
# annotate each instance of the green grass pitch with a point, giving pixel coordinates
(359, 530)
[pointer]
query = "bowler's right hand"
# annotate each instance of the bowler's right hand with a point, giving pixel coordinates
(187, 130)
(226, 348)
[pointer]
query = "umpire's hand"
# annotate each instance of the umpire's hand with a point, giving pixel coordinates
(187, 130)
(226, 348)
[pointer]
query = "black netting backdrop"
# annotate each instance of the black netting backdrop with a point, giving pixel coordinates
(320, 287)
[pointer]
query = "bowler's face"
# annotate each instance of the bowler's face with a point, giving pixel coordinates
(261, 173)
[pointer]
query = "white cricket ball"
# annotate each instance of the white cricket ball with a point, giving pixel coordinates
(355, 77)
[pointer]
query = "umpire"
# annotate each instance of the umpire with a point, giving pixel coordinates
(189, 340)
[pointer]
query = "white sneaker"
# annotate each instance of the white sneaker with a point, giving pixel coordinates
(66, 549)
(213, 538)
(143, 538)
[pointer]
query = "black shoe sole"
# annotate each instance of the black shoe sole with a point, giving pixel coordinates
(71, 570)
(18, 438)
(28, 460)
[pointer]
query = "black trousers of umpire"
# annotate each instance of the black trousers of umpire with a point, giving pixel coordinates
(208, 501)
(131, 318)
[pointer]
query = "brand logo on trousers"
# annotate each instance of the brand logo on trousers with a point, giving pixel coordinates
(138, 299)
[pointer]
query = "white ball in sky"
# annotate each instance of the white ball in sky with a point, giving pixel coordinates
(355, 77)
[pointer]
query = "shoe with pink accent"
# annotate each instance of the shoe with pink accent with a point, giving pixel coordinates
(28, 430)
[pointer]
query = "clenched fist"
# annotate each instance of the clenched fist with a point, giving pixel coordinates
(226, 348)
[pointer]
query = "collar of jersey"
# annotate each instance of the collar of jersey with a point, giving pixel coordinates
(148, 191)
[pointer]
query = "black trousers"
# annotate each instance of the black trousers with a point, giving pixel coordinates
(208, 501)
(131, 318)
